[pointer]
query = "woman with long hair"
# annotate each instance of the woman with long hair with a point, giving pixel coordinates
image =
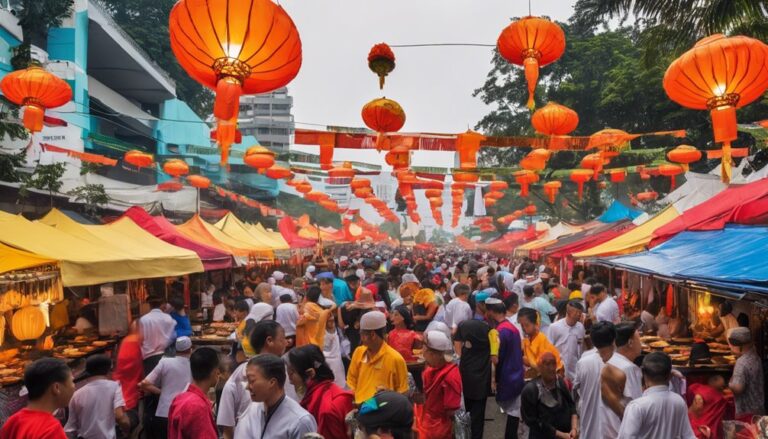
(314, 382)
(402, 337)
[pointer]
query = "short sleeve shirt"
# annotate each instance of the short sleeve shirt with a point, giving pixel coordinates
(749, 372)
(171, 375)
(92, 410)
(386, 369)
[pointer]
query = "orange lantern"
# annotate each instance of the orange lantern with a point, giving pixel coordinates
(617, 175)
(610, 138)
(498, 185)
(199, 182)
(435, 202)
(327, 142)
(170, 186)
(36, 90)
(383, 116)
(495, 195)
(465, 177)
(489, 202)
(277, 172)
(647, 196)
(329, 205)
(433, 193)
(555, 120)
(685, 155)
(226, 135)
(241, 47)
(399, 157)
(720, 74)
(581, 176)
(138, 158)
(594, 162)
(259, 157)
(176, 168)
(381, 61)
(359, 183)
(467, 146)
(671, 171)
(524, 179)
(506, 219)
(315, 196)
(364, 192)
(531, 42)
(304, 187)
(343, 171)
(551, 188)
(530, 210)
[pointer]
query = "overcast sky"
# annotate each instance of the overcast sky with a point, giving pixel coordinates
(433, 84)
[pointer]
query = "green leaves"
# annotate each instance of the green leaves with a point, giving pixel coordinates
(92, 195)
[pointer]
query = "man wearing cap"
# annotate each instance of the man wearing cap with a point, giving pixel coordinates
(747, 380)
(442, 387)
(170, 377)
(387, 414)
(567, 335)
(281, 287)
(309, 274)
(375, 365)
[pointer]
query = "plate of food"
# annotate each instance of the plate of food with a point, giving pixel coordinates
(659, 344)
(100, 343)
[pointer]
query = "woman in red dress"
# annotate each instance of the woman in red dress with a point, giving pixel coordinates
(403, 338)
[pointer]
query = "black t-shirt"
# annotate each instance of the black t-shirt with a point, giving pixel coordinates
(475, 364)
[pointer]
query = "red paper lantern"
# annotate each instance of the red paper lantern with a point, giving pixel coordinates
(304, 187)
(671, 171)
(581, 176)
(554, 120)
(383, 116)
(524, 179)
(343, 171)
(139, 159)
(551, 188)
(170, 186)
(684, 155)
(618, 175)
(176, 168)
(381, 60)
(235, 47)
(36, 90)
(647, 196)
(315, 196)
(531, 42)
(498, 185)
(399, 157)
(359, 183)
(465, 177)
(433, 193)
(594, 162)
(530, 210)
(720, 74)
(199, 182)
(495, 195)
(277, 172)
(259, 157)
(467, 146)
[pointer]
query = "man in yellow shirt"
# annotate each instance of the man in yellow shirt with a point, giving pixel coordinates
(535, 342)
(375, 365)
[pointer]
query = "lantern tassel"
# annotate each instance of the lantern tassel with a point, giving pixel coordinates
(532, 76)
(227, 103)
(551, 194)
(726, 163)
(581, 190)
(672, 183)
(524, 190)
(381, 82)
(33, 118)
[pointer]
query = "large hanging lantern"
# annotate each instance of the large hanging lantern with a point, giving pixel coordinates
(259, 157)
(36, 90)
(467, 146)
(581, 176)
(199, 182)
(28, 323)
(235, 47)
(176, 168)
(383, 116)
(720, 74)
(139, 159)
(399, 157)
(531, 42)
(381, 61)
(555, 120)
(671, 171)
(684, 155)
(551, 188)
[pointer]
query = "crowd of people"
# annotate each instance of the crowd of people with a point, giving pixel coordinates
(391, 344)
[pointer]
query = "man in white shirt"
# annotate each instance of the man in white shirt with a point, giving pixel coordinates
(659, 413)
(606, 308)
(458, 310)
(281, 287)
(97, 406)
(621, 378)
(567, 335)
(169, 378)
(267, 337)
(157, 330)
(287, 314)
(274, 415)
(586, 385)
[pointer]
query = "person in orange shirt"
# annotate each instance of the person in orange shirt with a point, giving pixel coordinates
(535, 342)
(310, 328)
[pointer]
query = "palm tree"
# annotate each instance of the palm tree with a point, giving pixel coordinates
(675, 25)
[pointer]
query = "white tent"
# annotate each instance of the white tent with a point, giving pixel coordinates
(696, 189)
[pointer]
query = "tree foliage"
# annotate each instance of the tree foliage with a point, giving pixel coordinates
(45, 177)
(36, 17)
(146, 21)
(93, 197)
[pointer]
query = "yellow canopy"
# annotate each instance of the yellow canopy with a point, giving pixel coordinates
(12, 259)
(196, 223)
(235, 228)
(634, 240)
(276, 236)
(83, 260)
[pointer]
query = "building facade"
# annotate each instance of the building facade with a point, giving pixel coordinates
(268, 118)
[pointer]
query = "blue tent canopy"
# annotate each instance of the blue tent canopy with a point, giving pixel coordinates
(731, 259)
(617, 212)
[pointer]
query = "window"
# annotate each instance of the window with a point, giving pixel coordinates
(279, 131)
(263, 130)
(280, 107)
(262, 106)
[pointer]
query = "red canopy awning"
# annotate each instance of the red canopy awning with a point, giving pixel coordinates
(213, 259)
(287, 227)
(739, 204)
